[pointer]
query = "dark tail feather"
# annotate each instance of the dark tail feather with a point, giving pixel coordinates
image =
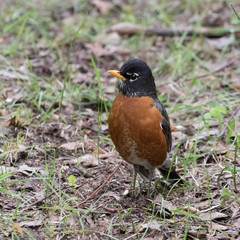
(173, 175)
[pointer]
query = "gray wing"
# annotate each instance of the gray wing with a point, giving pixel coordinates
(165, 123)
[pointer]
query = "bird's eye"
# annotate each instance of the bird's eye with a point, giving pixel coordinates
(134, 76)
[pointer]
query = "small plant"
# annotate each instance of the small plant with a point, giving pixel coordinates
(217, 113)
(72, 179)
(228, 195)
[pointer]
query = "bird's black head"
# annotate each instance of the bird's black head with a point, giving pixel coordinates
(136, 79)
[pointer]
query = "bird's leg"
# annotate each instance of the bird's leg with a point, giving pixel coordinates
(151, 173)
(135, 172)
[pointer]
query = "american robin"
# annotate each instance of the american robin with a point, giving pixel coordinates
(138, 123)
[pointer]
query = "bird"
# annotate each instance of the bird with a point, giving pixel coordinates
(139, 125)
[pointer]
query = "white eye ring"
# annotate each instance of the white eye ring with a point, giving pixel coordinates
(134, 76)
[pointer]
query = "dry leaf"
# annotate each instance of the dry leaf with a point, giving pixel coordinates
(89, 160)
(15, 122)
(154, 225)
(158, 236)
(198, 234)
(126, 28)
(173, 128)
(236, 223)
(31, 185)
(178, 135)
(219, 43)
(104, 127)
(17, 228)
(28, 171)
(35, 223)
(89, 144)
(102, 6)
(112, 194)
(202, 205)
(99, 50)
(211, 132)
(13, 75)
(190, 209)
(218, 226)
(236, 86)
(91, 222)
(212, 216)
(72, 146)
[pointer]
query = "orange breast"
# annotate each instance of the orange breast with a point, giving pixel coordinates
(134, 126)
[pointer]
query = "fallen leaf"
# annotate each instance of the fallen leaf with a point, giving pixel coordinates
(99, 50)
(126, 28)
(102, 6)
(5, 169)
(35, 223)
(89, 160)
(218, 226)
(31, 185)
(199, 234)
(89, 144)
(211, 132)
(112, 194)
(17, 228)
(236, 223)
(13, 75)
(212, 216)
(178, 135)
(104, 127)
(214, 18)
(164, 203)
(219, 43)
(190, 209)
(15, 122)
(154, 225)
(236, 86)
(28, 171)
(15, 97)
(107, 155)
(202, 205)
(70, 146)
(173, 128)
(91, 222)
(158, 236)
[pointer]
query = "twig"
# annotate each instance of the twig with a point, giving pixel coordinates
(231, 118)
(209, 209)
(127, 28)
(101, 186)
(235, 12)
(204, 31)
(227, 64)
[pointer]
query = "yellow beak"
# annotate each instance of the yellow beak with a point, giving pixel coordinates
(116, 74)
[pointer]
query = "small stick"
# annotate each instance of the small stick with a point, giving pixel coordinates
(227, 64)
(235, 12)
(102, 185)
